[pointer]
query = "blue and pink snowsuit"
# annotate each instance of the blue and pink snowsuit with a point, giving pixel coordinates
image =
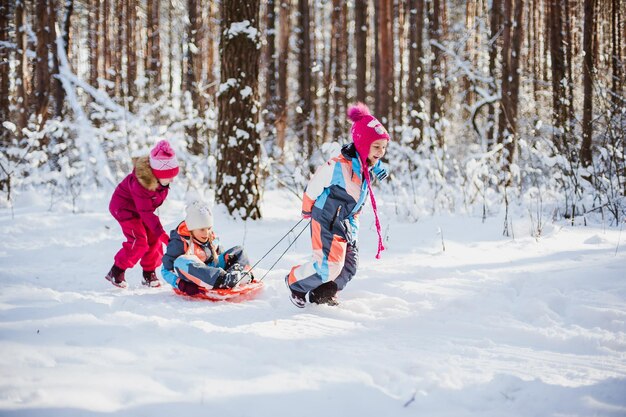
(333, 198)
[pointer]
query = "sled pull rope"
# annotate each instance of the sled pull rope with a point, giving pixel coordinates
(271, 249)
(285, 251)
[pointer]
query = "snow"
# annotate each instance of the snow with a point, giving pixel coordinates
(9, 125)
(492, 326)
(229, 83)
(246, 92)
(242, 28)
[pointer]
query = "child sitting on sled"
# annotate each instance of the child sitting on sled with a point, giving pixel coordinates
(333, 200)
(194, 261)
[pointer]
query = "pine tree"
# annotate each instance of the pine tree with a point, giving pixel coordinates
(238, 139)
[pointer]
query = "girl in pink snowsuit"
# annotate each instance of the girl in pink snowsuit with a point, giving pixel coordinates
(133, 204)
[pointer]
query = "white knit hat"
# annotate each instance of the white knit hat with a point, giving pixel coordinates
(199, 216)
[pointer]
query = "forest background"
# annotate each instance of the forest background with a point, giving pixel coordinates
(489, 103)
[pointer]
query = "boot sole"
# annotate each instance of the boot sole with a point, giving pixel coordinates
(296, 302)
(122, 284)
(151, 284)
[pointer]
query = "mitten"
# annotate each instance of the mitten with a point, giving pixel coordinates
(188, 287)
(306, 216)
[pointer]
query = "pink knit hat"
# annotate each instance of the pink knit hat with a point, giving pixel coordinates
(163, 160)
(366, 129)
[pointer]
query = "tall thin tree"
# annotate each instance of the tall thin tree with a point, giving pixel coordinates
(512, 45)
(304, 122)
(361, 50)
(559, 78)
(153, 47)
(21, 68)
(42, 69)
(385, 87)
(415, 81)
(340, 60)
(494, 26)
(93, 41)
(192, 75)
(617, 61)
(4, 65)
(270, 74)
(588, 74)
(283, 60)
(436, 72)
(131, 53)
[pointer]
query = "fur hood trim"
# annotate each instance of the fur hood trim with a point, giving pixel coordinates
(144, 173)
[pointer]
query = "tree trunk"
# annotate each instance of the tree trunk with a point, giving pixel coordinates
(559, 81)
(42, 71)
(212, 74)
(416, 70)
(494, 23)
(510, 76)
(436, 76)
(270, 77)
(56, 87)
(305, 122)
(328, 64)
(283, 58)
(470, 48)
(569, 107)
(398, 98)
(67, 17)
(170, 47)
(118, 38)
(339, 39)
(384, 89)
(94, 38)
(239, 144)
(4, 67)
(107, 48)
(360, 41)
(617, 62)
(191, 78)
(588, 59)
(131, 53)
(153, 46)
(21, 69)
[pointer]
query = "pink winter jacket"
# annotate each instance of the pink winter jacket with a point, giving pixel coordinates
(138, 196)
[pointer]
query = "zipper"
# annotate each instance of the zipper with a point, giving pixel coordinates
(332, 222)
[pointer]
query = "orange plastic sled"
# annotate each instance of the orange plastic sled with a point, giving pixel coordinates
(237, 294)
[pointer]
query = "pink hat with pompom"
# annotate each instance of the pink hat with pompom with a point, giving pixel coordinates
(366, 129)
(163, 160)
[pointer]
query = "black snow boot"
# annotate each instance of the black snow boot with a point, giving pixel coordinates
(325, 294)
(116, 277)
(150, 279)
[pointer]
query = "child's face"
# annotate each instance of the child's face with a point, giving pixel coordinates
(202, 235)
(377, 151)
(165, 181)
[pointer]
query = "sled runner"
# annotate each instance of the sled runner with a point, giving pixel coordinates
(237, 294)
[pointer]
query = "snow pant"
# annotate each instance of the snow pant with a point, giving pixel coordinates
(191, 268)
(334, 259)
(141, 246)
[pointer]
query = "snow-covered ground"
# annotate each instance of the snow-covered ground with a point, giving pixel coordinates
(490, 326)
